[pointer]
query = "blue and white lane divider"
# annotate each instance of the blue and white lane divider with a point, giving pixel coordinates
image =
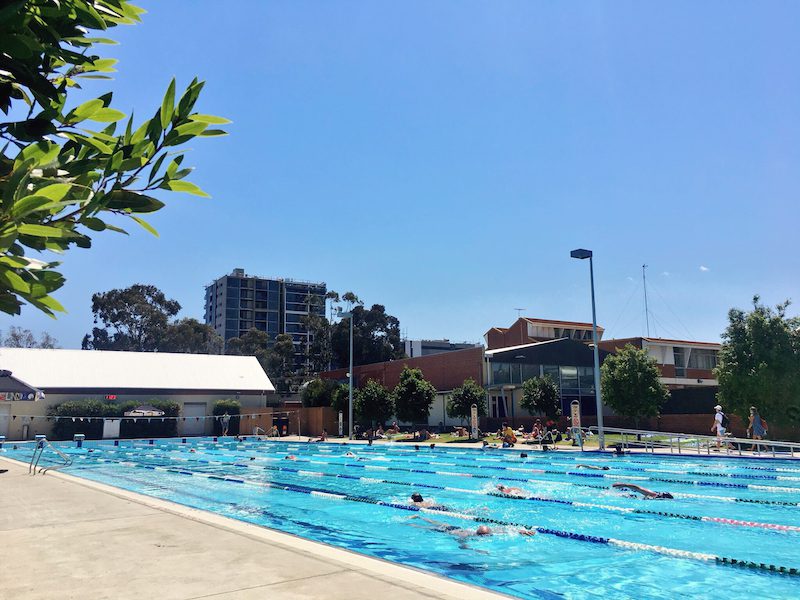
(611, 475)
(524, 480)
(619, 466)
(590, 505)
(663, 550)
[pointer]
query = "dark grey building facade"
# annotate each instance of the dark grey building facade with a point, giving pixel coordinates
(237, 302)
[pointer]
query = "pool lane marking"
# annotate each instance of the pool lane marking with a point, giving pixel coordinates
(537, 481)
(574, 474)
(663, 550)
(610, 508)
(178, 447)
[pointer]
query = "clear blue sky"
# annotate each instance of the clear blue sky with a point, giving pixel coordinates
(443, 158)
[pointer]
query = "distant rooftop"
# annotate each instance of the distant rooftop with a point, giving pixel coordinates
(89, 369)
(241, 274)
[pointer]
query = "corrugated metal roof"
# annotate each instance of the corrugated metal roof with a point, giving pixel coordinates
(63, 369)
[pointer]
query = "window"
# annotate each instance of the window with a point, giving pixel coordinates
(679, 355)
(261, 284)
(586, 379)
(231, 313)
(569, 379)
(232, 303)
(246, 315)
(552, 370)
(501, 372)
(234, 282)
(530, 371)
(703, 359)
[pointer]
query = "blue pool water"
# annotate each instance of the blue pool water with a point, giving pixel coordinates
(591, 540)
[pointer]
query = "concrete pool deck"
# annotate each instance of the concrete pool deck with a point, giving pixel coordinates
(67, 537)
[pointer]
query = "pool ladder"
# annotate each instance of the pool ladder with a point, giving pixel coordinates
(41, 445)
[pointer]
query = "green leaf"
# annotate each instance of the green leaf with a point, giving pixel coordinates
(104, 65)
(211, 119)
(193, 128)
(213, 133)
(29, 204)
(168, 105)
(44, 231)
(56, 191)
(41, 153)
(94, 223)
(107, 115)
(84, 111)
(133, 202)
(185, 186)
(145, 225)
(14, 281)
(156, 167)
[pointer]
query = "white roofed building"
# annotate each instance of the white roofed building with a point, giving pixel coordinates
(194, 381)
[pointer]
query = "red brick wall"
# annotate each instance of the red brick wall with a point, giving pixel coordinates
(445, 371)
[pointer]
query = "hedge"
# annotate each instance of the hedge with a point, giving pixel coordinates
(65, 429)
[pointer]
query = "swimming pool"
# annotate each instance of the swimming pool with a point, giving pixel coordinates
(591, 540)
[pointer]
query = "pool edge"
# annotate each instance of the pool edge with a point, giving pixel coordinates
(402, 576)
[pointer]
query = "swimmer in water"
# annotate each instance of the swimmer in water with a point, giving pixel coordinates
(463, 534)
(510, 491)
(291, 457)
(418, 500)
(350, 455)
(646, 494)
(594, 467)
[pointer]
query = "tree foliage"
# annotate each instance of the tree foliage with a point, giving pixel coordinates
(319, 392)
(190, 336)
(340, 399)
(630, 383)
(133, 318)
(373, 402)
(413, 396)
(541, 395)
(759, 363)
(137, 319)
(376, 336)
(66, 171)
(276, 357)
(463, 397)
(18, 337)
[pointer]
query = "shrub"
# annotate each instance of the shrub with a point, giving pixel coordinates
(65, 429)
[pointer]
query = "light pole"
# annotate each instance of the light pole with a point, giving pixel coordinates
(581, 253)
(349, 315)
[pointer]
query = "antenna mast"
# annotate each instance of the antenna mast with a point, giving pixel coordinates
(646, 311)
(519, 311)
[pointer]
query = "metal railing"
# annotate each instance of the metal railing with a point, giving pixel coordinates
(41, 445)
(698, 444)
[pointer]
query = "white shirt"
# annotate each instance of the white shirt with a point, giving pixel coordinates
(718, 420)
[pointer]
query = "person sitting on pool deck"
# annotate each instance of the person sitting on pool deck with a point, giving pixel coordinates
(647, 494)
(596, 468)
(510, 491)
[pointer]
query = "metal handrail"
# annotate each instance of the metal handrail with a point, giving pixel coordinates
(38, 451)
(685, 441)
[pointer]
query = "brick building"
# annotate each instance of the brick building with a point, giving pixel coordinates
(527, 330)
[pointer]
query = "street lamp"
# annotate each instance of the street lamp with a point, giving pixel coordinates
(581, 254)
(349, 315)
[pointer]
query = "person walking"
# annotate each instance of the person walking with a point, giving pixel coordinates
(757, 428)
(720, 424)
(226, 421)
